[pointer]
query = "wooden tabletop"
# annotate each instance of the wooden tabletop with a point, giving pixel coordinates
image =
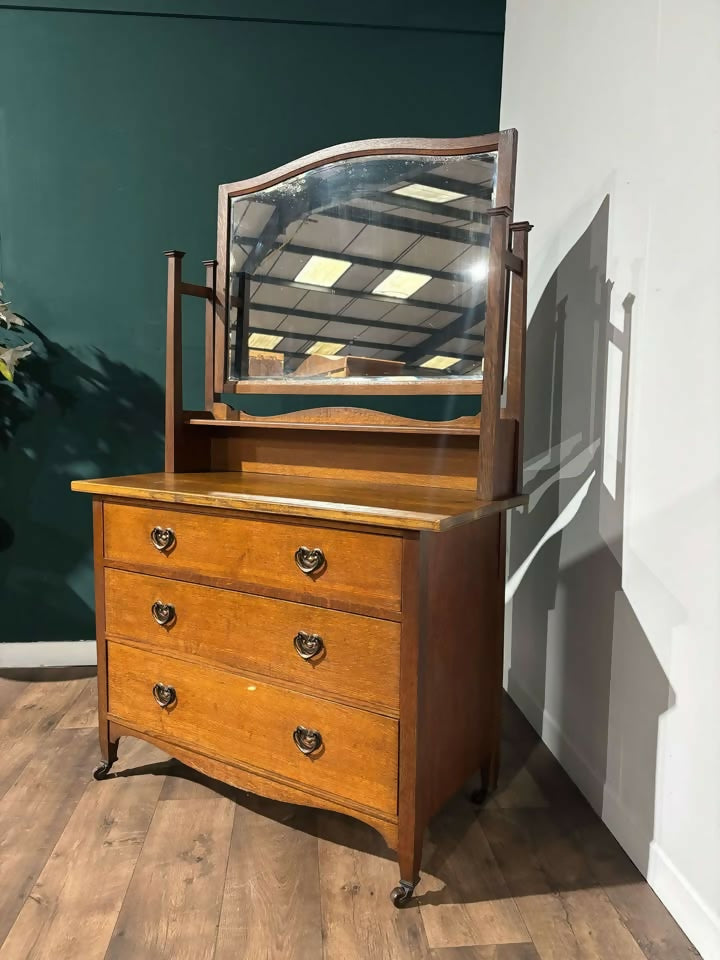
(403, 507)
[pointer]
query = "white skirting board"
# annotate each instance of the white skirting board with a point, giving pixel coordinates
(54, 653)
(696, 917)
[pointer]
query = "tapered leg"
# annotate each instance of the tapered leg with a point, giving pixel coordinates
(488, 779)
(491, 774)
(491, 717)
(411, 803)
(108, 747)
(409, 857)
(108, 752)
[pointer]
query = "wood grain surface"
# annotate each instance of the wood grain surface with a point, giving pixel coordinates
(264, 786)
(359, 661)
(398, 507)
(374, 458)
(242, 720)
(353, 419)
(362, 565)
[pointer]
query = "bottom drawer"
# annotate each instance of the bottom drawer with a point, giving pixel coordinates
(232, 718)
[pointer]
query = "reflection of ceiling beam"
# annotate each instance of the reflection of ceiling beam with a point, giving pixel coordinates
(289, 334)
(379, 263)
(359, 294)
(427, 206)
(260, 244)
(363, 344)
(393, 221)
(343, 318)
(456, 328)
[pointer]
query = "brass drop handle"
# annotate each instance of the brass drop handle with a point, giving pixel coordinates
(307, 741)
(308, 645)
(309, 561)
(164, 695)
(162, 538)
(163, 613)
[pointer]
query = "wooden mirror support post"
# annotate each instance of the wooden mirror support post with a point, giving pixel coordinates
(310, 605)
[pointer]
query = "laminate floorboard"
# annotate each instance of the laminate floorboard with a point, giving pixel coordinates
(72, 908)
(471, 904)
(35, 811)
(83, 712)
(159, 861)
(172, 906)
(502, 951)
(638, 905)
(271, 906)
(356, 877)
(11, 686)
(24, 730)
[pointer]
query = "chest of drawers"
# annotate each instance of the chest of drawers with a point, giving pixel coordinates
(348, 665)
(309, 604)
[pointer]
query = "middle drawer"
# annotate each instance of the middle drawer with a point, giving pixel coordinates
(335, 654)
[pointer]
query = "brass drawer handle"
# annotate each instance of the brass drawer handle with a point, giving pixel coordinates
(309, 561)
(163, 613)
(164, 695)
(308, 645)
(162, 538)
(307, 741)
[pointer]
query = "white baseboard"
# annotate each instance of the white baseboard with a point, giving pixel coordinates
(699, 921)
(57, 653)
(696, 917)
(581, 773)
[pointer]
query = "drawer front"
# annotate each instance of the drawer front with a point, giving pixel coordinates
(353, 657)
(357, 566)
(241, 720)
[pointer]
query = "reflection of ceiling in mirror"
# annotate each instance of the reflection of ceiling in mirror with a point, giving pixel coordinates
(379, 258)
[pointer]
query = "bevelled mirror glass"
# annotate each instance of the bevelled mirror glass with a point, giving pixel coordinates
(371, 267)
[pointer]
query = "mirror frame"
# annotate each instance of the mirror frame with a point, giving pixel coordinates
(505, 143)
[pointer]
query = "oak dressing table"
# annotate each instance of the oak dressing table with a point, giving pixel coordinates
(309, 605)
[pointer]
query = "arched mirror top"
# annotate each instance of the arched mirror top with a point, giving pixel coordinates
(365, 268)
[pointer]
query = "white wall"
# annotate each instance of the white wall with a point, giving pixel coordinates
(614, 627)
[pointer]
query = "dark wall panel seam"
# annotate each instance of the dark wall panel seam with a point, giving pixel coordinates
(411, 28)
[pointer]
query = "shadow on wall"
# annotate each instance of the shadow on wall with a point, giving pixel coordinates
(64, 418)
(580, 666)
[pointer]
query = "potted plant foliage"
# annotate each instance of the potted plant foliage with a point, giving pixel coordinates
(13, 347)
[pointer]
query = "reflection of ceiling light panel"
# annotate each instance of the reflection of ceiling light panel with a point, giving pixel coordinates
(325, 349)
(322, 271)
(440, 363)
(432, 194)
(401, 284)
(263, 341)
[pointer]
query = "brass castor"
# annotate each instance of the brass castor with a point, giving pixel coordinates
(402, 893)
(101, 772)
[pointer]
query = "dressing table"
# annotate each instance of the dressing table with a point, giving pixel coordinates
(309, 605)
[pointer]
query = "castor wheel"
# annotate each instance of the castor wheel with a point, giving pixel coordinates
(101, 772)
(402, 893)
(479, 796)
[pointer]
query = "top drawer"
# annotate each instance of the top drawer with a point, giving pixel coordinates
(340, 564)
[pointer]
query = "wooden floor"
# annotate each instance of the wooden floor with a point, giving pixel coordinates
(157, 862)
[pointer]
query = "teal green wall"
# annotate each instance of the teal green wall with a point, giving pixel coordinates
(115, 130)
